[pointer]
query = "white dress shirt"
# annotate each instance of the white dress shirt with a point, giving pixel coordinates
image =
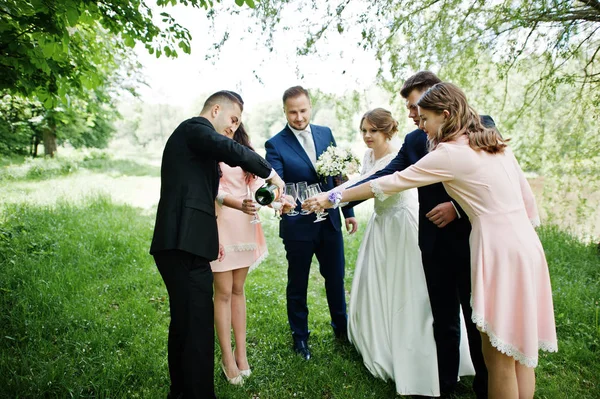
(307, 142)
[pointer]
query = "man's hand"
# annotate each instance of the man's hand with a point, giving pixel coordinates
(221, 253)
(276, 180)
(442, 214)
(351, 225)
(288, 204)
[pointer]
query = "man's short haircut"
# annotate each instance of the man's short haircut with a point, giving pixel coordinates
(294, 92)
(222, 97)
(420, 81)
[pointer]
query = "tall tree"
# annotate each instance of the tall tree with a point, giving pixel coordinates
(69, 53)
(43, 53)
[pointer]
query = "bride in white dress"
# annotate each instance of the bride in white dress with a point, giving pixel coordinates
(389, 319)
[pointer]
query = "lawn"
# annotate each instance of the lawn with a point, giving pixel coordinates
(83, 311)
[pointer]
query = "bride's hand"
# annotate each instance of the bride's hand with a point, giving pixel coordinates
(317, 203)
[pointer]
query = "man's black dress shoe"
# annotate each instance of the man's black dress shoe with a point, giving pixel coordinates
(341, 335)
(301, 347)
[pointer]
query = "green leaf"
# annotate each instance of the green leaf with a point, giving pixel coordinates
(184, 46)
(72, 16)
(251, 3)
(49, 103)
(48, 49)
(239, 2)
(129, 41)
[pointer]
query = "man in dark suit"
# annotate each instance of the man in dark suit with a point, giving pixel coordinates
(293, 153)
(444, 242)
(186, 239)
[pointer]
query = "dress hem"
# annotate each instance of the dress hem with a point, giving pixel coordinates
(258, 261)
(509, 349)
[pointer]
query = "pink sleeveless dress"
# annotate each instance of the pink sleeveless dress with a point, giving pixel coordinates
(511, 294)
(244, 242)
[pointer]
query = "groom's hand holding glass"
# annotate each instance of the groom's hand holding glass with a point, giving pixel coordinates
(288, 204)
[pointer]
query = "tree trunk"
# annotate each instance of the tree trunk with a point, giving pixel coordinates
(35, 141)
(50, 141)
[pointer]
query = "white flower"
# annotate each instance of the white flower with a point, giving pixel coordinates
(337, 161)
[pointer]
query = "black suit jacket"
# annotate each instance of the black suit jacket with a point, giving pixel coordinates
(413, 149)
(185, 219)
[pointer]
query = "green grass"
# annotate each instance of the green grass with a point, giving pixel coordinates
(11, 159)
(83, 313)
(36, 169)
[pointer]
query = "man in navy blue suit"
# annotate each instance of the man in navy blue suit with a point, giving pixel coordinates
(293, 153)
(444, 242)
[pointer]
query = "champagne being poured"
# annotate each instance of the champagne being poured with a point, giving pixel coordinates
(267, 193)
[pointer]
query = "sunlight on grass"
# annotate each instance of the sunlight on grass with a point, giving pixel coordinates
(84, 313)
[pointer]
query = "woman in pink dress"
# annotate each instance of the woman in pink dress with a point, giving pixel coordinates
(511, 294)
(245, 247)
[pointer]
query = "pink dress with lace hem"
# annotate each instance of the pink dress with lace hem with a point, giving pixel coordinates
(244, 242)
(511, 293)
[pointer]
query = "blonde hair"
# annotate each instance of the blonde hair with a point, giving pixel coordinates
(463, 119)
(382, 120)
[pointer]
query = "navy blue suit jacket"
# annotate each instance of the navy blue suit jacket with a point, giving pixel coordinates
(288, 158)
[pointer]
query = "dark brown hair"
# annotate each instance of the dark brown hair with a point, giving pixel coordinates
(462, 120)
(382, 120)
(294, 92)
(420, 81)
(221, 97)
(241, 136)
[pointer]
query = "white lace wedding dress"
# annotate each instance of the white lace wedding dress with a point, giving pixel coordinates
(389, 319)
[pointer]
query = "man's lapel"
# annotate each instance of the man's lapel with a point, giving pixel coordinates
(321, 143)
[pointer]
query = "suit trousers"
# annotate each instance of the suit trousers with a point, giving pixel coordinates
(328, 245)
(448, 275)
(191, 345)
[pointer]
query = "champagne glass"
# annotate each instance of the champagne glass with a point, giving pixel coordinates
(277, 206)
(302, 191)
(315, 189)
(255, 218)
(290, 190)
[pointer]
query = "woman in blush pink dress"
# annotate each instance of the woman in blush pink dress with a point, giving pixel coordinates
(245, 247)
(511, 293)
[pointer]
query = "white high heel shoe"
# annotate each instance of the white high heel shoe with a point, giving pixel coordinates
(245, 373)
(237, 380)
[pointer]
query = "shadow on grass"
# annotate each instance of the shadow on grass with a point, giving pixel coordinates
(84, 313)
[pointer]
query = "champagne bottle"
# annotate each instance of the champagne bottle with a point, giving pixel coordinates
(267, 193)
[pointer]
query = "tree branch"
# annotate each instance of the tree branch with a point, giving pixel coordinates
(595, 4)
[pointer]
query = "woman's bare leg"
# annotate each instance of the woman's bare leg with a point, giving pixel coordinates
(502, 377)
(238, 317)
(223, 282)
(525, 380)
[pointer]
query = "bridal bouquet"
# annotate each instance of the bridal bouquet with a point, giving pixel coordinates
(337, 162)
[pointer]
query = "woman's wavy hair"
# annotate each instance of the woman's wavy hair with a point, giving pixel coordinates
(241, 136)
(463, 119)
(382, 120)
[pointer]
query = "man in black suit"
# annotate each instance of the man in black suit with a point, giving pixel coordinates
(186, 239)
(444, 242)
